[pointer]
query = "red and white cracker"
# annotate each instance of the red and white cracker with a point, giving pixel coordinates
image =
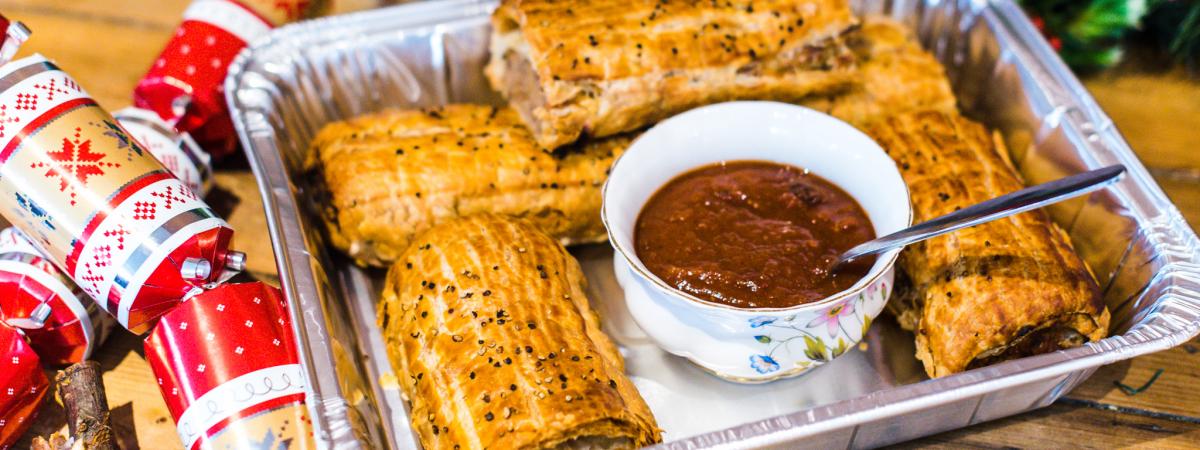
(185, 84)
(178, 152)
(23, 385)
(228, 368)
(98, 203)
(73, 325)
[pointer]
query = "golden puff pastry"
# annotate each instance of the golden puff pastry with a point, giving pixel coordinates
(604, 67)
(490, 332)
(895, 75)
(1001, 290)
(392, 175)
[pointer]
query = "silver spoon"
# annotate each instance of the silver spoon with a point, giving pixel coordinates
(1032, 197)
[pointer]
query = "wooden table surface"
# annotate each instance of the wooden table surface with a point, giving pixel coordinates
(108, 44)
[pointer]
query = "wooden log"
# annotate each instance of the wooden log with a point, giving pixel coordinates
(82, 393)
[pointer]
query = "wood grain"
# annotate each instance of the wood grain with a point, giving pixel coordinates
(1069, 426)
(108, 44)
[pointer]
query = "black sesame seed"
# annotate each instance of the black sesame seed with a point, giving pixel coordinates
(487, 292)
(562, 377)
(551, 355)
(489, 416)
(508, 360)
(472, 375)
(512, 387)
(528, 349)
(531, 325)
(575, 358)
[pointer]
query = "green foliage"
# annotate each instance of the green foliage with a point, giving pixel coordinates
(1175, 26)
(1087, 34)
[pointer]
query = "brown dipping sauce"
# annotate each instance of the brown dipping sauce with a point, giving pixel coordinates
(752, 234)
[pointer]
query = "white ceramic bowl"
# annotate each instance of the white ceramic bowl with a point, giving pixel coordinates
(763, 344)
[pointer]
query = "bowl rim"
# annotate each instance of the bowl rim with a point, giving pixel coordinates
(632, 261)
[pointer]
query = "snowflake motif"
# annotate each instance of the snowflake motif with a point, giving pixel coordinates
(293, 9)
(144, 210)
(119, 232)
(52, 88)
(123, 141)
(268, 443)
(72, 165)
(103, 256)
(93, 280)
(7, 118)
(25, 102)
(169, 195)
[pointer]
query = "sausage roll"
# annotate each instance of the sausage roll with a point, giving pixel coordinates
(603, 67)
(998, 291)
(392, 175)
(489, 329)
(895, 75)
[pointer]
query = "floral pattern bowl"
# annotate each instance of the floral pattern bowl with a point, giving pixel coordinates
(740, 344)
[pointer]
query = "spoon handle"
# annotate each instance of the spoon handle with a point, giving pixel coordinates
(1032, 197)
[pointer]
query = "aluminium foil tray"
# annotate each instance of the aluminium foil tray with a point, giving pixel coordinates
(284, 87)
